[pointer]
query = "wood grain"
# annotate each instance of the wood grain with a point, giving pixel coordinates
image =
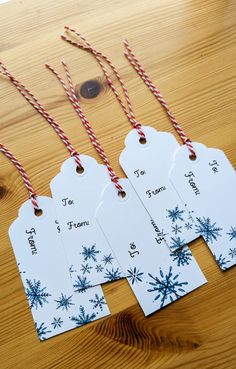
(189, 49)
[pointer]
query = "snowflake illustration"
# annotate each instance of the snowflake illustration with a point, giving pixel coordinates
(99, 268)
(232, 252)
(86, 268)
(81, 284)
(188, 226)
(41, 330)
(221, 262)
(176, 229)
(208, 231)
(90, 253)
(83, 318)
(162, 234)
(182, 255)
(113, 274)
(232, 233)
(98, 302)
(134, 275)
(175, 214)
(57, 323)
(177, 243)
(71, 269)
(64, 302)
(107, 259)
(166, 286)
(36, 294)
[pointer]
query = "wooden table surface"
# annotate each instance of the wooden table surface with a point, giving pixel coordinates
(188, 47)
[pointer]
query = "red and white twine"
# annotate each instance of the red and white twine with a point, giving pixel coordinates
(20, 168)
(142, 73)
(85, 45)
(70, 92)
(28, 95)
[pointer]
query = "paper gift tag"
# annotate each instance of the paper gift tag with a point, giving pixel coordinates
(44, 270)
(208, 186)
(156, 275)
(76, 197)
(147, 167)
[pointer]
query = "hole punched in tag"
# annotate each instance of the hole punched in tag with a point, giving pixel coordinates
(38, 212)
(122, 194)
(135, 63)
(192, 157)
(79, 170)
(142, 140)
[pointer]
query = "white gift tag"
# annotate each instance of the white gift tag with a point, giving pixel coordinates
(76, 196)
(44, 270)
(208, 186)
(147, 166)
(156, 275)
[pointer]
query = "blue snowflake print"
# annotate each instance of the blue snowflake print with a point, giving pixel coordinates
(166, 286)
(98, 302)
(107, 259)
(41, 331)
(210, 232)
(99, 268)
(64, 302)
(36, 295)
(176, 229)
(232, 233)
(221, 262)
(83, 318)
(232, 252)
(112, 275)
(177, 243)
(134, 275)
(162, 234)
(81, 284)
(188, 226)
(71, 269)
(86, 268)
(57, 323)
(182, 255)
(175, 214)
(90, 253)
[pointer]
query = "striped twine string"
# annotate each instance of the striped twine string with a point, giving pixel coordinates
(70, 92)
(20, 168)
(28, 95)
(85, 45)
(142, 73)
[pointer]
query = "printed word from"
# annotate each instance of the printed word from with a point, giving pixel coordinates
(72, 225)
(190, 177)
(160, 235)
(155, 192)
(31, 241)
